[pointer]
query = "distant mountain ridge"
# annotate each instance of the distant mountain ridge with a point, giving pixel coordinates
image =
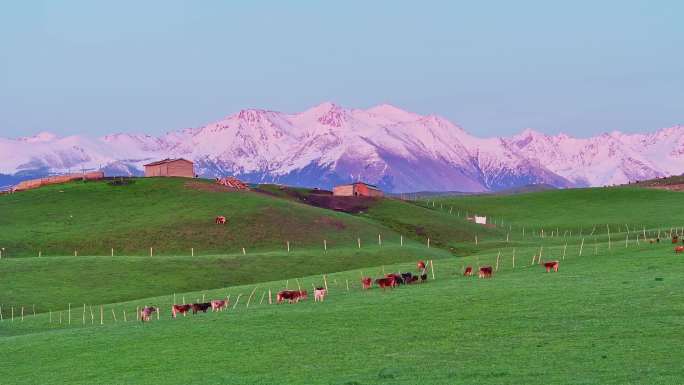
(395, 149)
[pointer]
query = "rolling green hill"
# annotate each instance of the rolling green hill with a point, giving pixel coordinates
(610, 315)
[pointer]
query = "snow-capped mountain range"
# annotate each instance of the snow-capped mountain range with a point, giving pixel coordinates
(397, 150)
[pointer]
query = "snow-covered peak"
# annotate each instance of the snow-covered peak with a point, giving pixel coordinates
(396, 149)
(41, 137)
(392, 113)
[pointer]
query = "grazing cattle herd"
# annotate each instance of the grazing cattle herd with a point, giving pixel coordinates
(391, 280)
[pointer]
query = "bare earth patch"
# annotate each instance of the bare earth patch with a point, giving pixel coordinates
(211, 187)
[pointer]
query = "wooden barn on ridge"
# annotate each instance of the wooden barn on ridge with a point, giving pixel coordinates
(357, 189)
(171, 167)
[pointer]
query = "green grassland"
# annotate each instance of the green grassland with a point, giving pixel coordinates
(611, 315)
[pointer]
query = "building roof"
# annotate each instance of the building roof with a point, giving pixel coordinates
(167, 160)
(363, 183)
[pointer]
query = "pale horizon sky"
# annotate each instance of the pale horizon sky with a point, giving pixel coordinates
(492, 67)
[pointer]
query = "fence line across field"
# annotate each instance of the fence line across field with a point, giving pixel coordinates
(673, 232)
(477, 240)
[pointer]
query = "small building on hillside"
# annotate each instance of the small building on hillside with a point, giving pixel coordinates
(480, 220)
(171, 167)
(357, 189)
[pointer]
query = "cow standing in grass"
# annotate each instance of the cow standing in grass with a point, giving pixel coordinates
(319, 294)
(291, 296)
(146, 312)
(385, 282)
(679, 249)
(366, 283)
(468, 271)
(220, 220)
(182, 309)
(551, 265)
(200, 307)
(218, 304)
(485, 272)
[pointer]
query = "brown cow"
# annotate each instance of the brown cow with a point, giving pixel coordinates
(218, 304)
(675, 239)
(468, 271)
(679, 249)
(421, 265)
(292, 296)
(366, 283)
(200, 307)
(551, 265)
(146, 312)
(221, 220)
(485, 272)
(385, 282)
(175, 309)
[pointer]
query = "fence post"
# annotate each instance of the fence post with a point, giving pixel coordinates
(192, 251)
(401, 240)
(379, 240)
(358, 241)
(288, 246)
(514, 258)
(325, 245)
(244, 252)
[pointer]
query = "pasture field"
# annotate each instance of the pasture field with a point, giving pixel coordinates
(612, 318)
(611, 315)
(174, 215)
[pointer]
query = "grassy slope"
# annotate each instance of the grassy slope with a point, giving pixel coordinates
(97, 280)
(607, 317)
(522, 327)
(575, 208)
(162, 213)
(172, 218)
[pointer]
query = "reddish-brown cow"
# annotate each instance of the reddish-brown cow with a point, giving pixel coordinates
(551, 265)
(366, 283)
(182, 309)
(485, 272)
(292, 296)
(468, 271)
(386, 282)
(679, 249)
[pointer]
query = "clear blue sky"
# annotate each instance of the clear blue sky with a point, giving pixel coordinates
(495, 67)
